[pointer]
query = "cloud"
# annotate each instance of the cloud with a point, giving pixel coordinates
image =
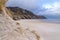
(28, 4)
(52, 10)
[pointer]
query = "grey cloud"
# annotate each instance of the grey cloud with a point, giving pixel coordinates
(28, 4)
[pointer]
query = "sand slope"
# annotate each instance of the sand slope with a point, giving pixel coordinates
(12, 30)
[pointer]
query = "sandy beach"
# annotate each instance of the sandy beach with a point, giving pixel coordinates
(46, 30)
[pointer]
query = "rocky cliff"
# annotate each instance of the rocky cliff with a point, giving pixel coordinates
(19, 13)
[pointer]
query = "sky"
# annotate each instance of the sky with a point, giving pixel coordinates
(47, 8)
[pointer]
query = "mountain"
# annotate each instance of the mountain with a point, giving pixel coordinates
(19, 13)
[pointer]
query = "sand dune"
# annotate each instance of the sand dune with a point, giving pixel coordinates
(11, 30)
(28, 29)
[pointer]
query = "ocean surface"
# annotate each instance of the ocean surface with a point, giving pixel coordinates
(51, 20)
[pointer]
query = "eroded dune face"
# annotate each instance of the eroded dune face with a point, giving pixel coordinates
(11, 30)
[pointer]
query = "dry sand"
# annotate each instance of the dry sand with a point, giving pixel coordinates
(28, 29)
(12, 30)
(46, 30)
